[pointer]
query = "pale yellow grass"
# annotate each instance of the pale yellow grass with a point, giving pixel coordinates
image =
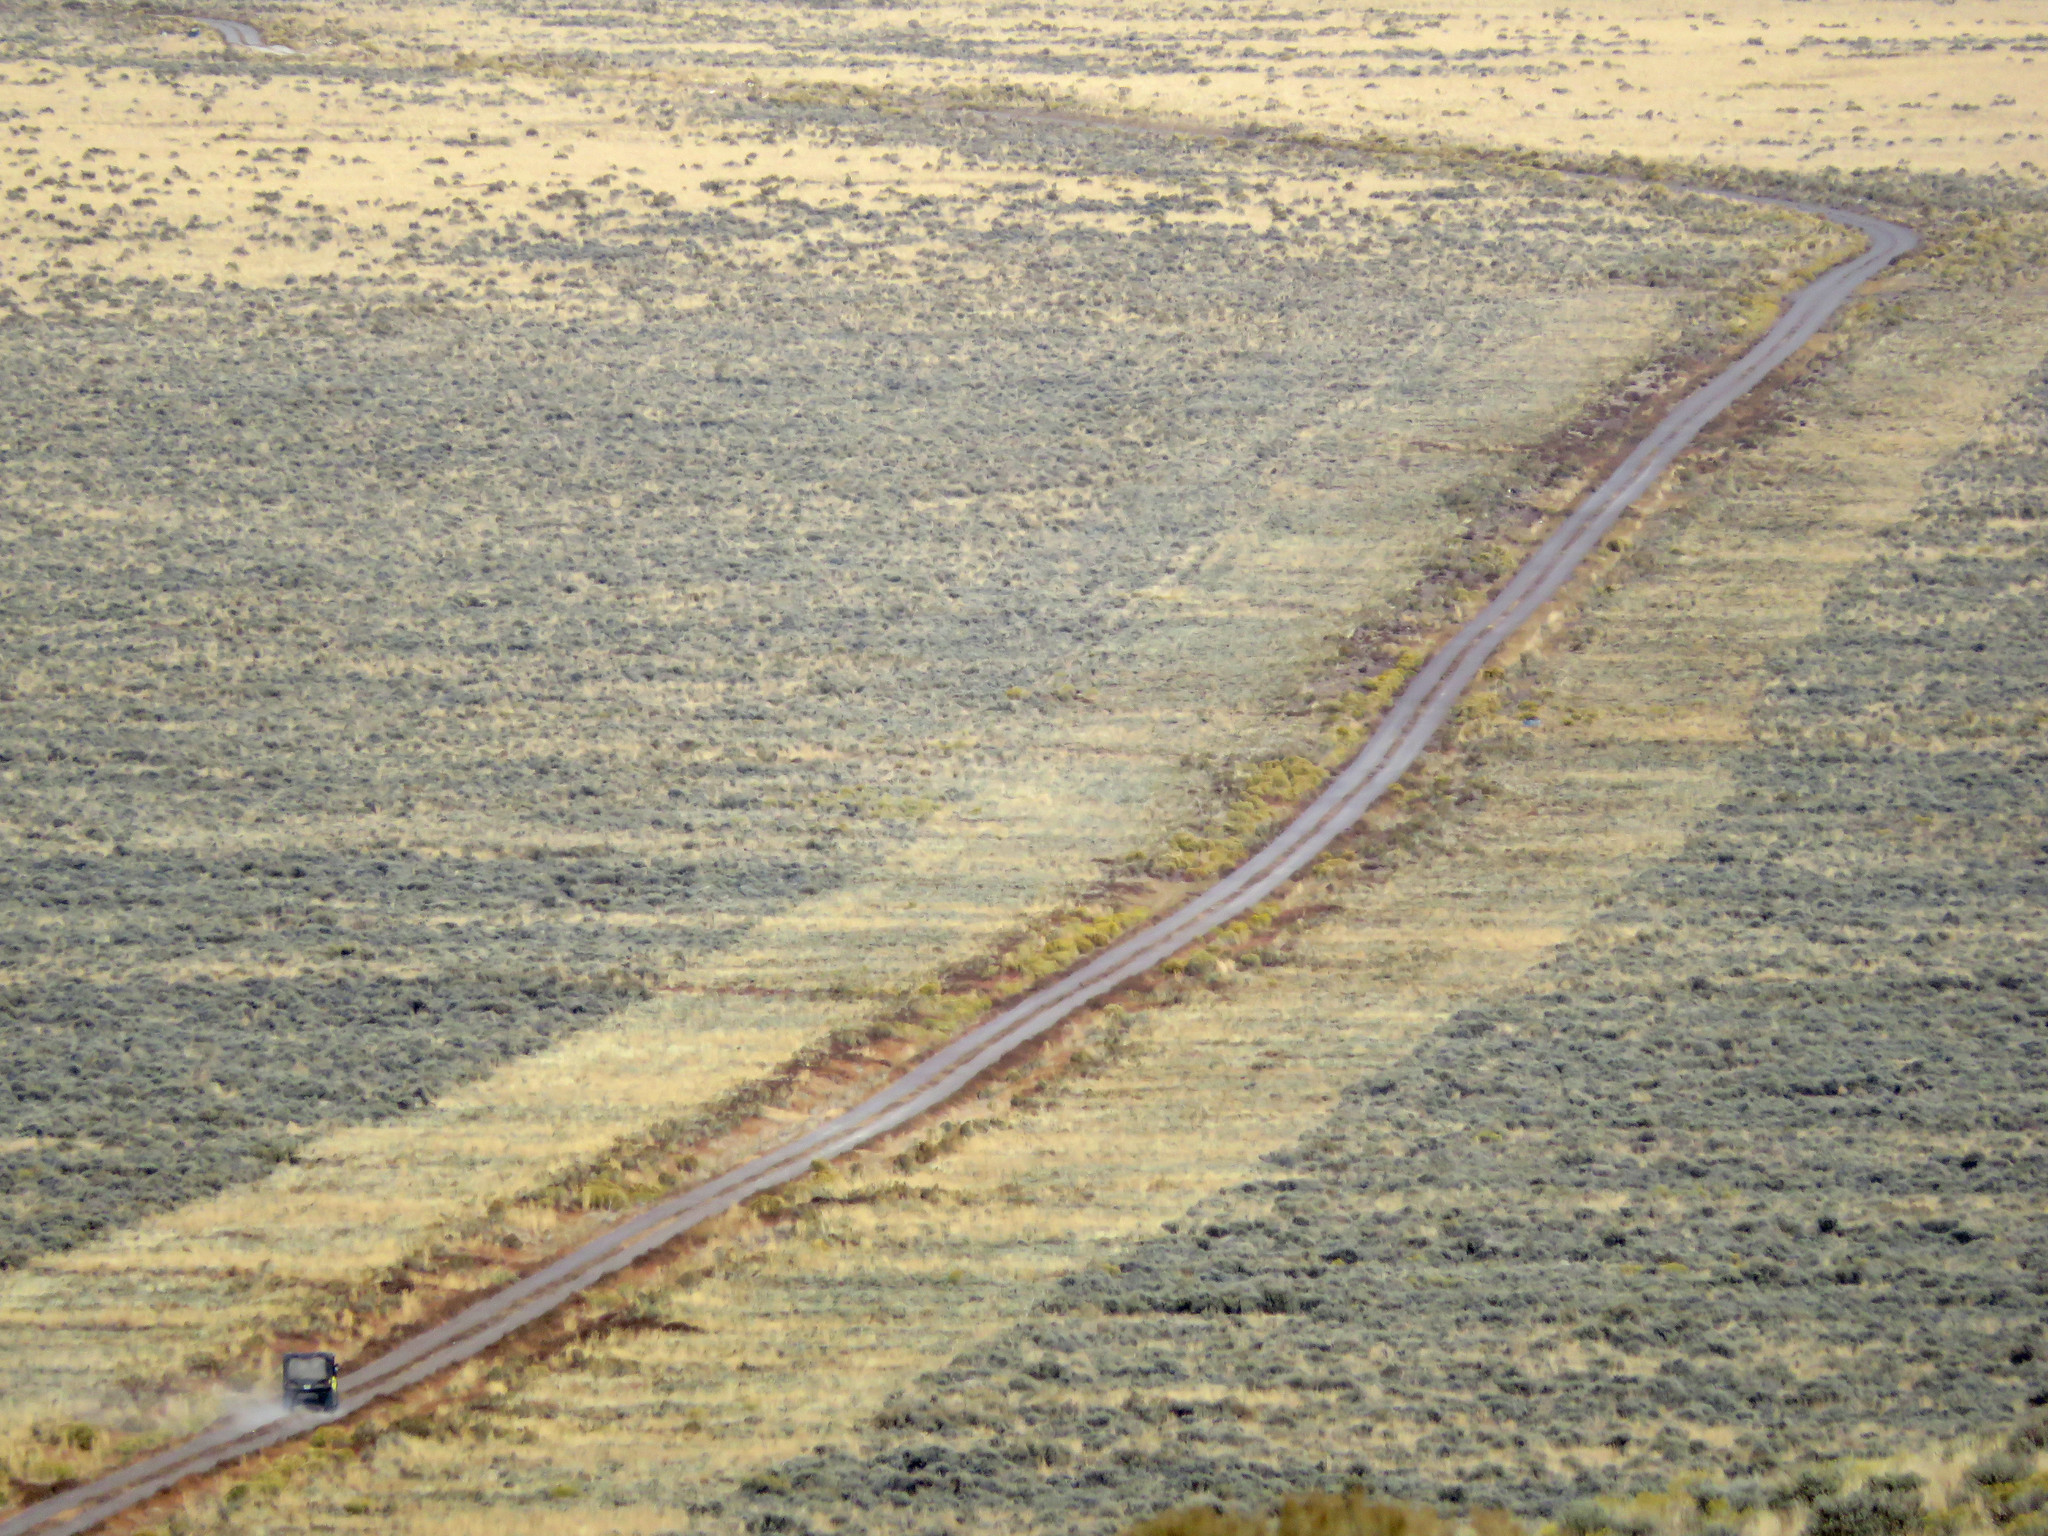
(1778, 83)
(810, 1328)
(203, 179)
(1798, 84)
(361, 1196)
(200, 1279)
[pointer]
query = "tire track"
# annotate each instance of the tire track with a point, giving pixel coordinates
(239, 34)
(1407, 728)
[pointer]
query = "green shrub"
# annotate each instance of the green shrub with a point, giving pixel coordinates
(1879, 1508)
(1808, 1487)
(2001, 1467)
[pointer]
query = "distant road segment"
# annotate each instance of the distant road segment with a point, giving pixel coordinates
(239, 34)
(1406, 729)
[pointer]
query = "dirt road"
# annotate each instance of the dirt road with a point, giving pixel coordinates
(239, 34)
(1406, 729)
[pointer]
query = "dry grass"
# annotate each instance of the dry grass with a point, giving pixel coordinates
(1787, 84)
(197, 179)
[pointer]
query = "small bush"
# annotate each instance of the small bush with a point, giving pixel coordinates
(1872, 1510)
(1808, 1487)
(2002, 1467)
(2010, 1506)
(1745, 1494)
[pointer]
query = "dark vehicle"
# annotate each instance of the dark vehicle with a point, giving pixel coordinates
(309, 1382)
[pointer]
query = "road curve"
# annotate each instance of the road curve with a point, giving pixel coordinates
(239, 34)
(1403, 733)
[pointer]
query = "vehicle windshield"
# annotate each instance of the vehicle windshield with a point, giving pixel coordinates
(305, 1371)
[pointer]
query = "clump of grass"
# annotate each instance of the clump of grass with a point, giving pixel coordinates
(936, 1145)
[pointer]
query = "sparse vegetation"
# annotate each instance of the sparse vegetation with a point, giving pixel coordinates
(466, 674)
(596, 632)
(1642, 711)
(504, 657)
(1655, 1214)
(574, 514)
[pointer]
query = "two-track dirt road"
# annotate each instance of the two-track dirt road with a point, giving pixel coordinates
(239, 34)
(1402, 735)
